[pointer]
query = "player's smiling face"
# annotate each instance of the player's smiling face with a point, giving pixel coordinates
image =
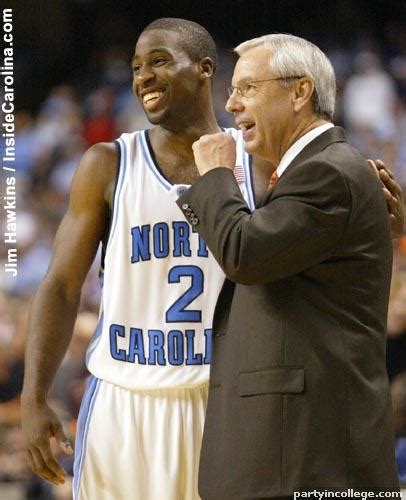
(165, 80)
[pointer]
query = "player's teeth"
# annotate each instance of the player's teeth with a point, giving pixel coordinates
(151, 95)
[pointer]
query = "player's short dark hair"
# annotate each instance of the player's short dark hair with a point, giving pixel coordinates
(196, 40)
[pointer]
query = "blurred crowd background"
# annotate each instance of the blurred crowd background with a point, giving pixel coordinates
(73, 89)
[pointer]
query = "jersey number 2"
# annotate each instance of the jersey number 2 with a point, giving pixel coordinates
(177, 312)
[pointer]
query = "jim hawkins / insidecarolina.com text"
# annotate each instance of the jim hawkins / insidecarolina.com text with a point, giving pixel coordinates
(8, 189)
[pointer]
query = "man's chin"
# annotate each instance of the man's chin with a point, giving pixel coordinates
(250, 147)
(254, 149)
(156, 118)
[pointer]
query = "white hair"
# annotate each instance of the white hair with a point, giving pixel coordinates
(294, 56)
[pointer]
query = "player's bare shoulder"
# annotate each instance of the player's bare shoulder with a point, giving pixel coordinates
(96, 173)
(91, 192)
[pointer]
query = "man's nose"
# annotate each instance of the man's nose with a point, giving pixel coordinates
(144, 74)
(234, 103)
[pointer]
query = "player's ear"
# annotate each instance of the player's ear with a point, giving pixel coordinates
(206, 67)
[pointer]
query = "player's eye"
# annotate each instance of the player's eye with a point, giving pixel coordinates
(136, 68)
(158, 61)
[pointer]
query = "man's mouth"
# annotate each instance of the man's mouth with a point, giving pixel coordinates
(246, 125)
(151, 100)
(152, 96)
(247, 129)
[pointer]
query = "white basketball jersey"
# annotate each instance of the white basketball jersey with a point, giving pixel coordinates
(160, 283)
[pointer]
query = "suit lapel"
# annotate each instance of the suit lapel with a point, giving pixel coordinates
(330, 136)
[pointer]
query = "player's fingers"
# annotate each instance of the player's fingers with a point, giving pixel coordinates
(30, 460)
(61, 438)
(52, 464)
(395, 215)
(41, 468)
(392, 197)
(381, 166)
(390, 184)
(388, 195)
(374, 167)
(391, 202)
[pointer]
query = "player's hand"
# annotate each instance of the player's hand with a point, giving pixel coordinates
(393, 196)
(40, 425)
(215, 150)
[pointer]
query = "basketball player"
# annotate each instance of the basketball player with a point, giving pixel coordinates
(141, 420)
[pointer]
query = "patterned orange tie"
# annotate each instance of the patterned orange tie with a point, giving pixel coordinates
(274, 180)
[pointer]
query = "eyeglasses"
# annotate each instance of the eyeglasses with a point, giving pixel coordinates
(249, 90)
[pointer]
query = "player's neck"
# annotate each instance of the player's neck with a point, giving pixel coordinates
(181, 140)
(199, 119)
(173, 150)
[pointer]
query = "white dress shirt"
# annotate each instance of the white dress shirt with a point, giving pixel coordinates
(300, 144)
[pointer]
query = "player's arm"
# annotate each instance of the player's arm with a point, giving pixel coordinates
(55, 305)
(393, 196)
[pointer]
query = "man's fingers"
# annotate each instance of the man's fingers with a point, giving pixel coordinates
(379, 165)
(382, 167)
(388, 195)
(30, 460)
(40, 467)
(52, 464)
(393, 196)
(67, 447)
(374, 167)
(389, 182)
(61, 438)
(392, 203)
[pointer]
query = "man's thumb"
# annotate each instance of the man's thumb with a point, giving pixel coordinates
(62, 439)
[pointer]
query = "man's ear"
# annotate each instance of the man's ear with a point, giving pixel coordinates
(206, 67)
(303, 91)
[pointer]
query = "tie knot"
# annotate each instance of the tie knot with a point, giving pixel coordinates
(274, 180)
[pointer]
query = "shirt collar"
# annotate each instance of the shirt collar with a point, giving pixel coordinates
(299, 145)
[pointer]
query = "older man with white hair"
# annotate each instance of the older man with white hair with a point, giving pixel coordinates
(299, 398)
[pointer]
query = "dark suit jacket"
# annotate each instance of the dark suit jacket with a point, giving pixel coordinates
(299, 395)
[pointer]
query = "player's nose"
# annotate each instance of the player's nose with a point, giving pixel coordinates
(144, 75)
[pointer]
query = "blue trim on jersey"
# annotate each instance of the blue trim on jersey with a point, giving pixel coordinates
(149, 158)
(94, 341)
(119, 186)
(85, 413)
(103, 251)
(101, 276)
